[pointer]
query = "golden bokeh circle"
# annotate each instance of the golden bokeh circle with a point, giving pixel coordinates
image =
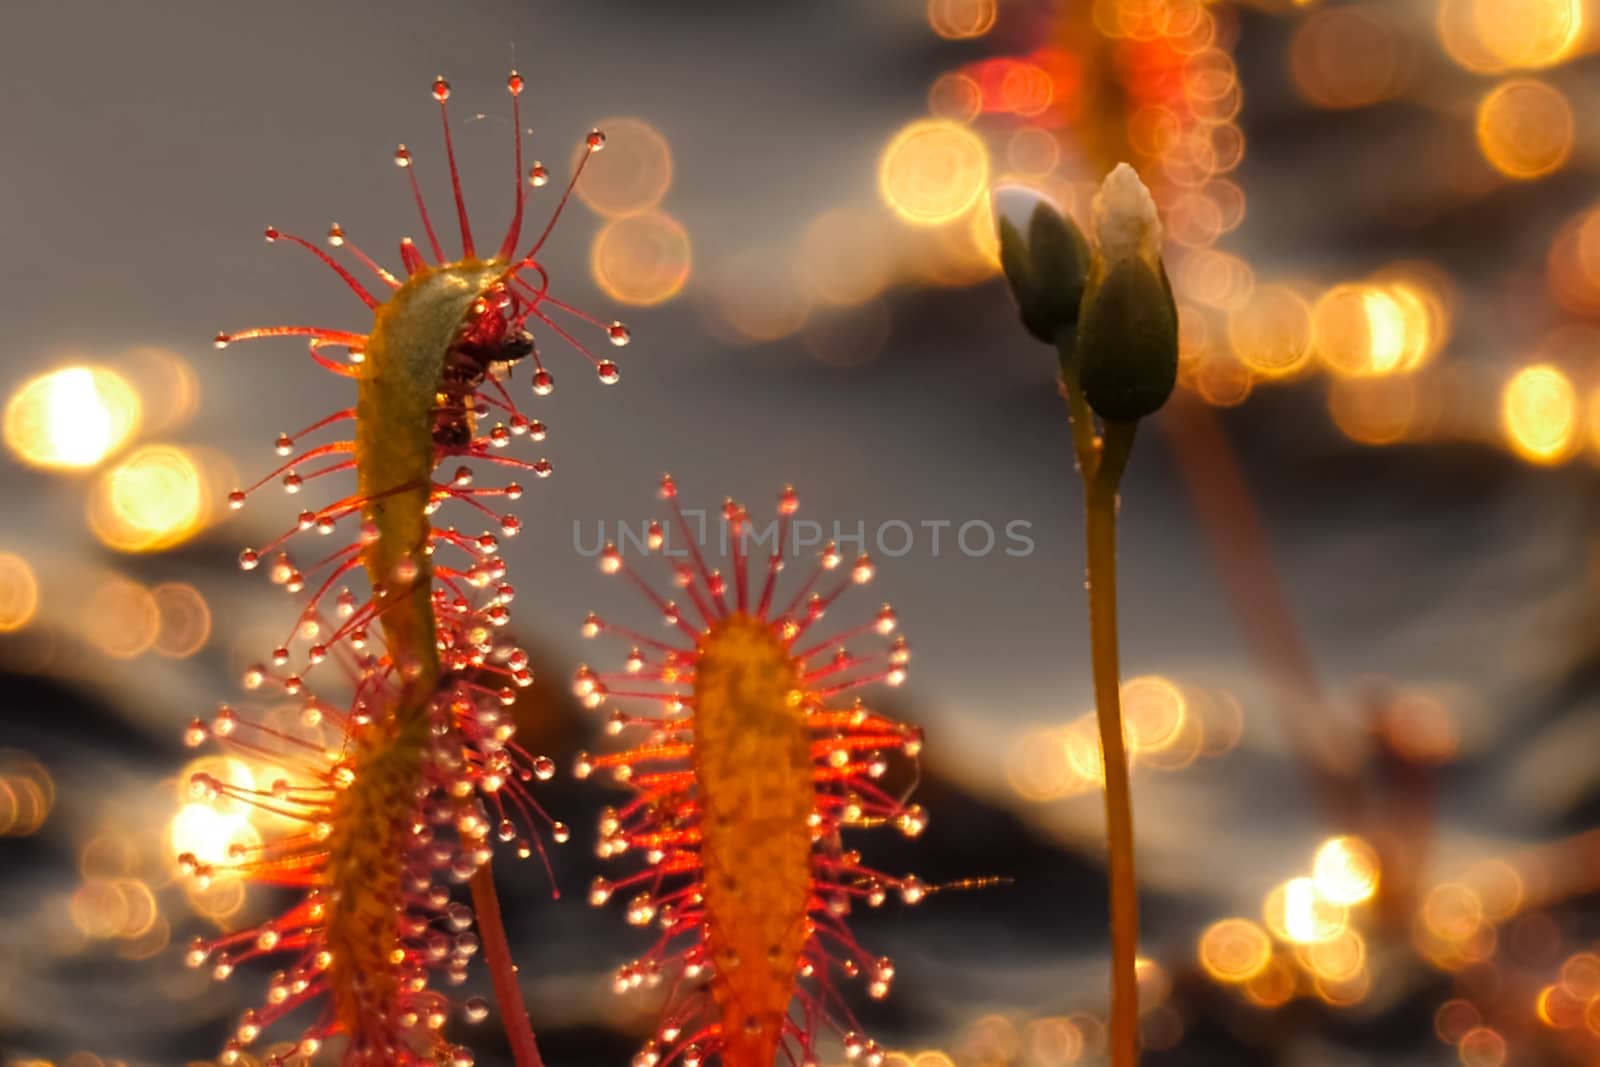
(1528, 33)
(19, 592)
(962, 19)
(1271, 332)
(1525, 128)
(932, 171)
(955, 96)
(121, 618)
(845, 255)
(632, 175)
(1235, 950)
(1539, 414)
(185, 620)
(1345, 870)
(71, 418)
(642, 259)
(154, 498)
(761, 294)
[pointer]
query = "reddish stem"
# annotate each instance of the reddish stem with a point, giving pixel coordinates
(503, 972)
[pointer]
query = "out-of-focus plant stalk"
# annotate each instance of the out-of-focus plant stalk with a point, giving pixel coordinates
(1109, 313)
(1101, 467)
(502, 971)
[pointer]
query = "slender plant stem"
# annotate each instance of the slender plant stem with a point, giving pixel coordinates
(1084, 441)
(1101, 462)
(502, 971)
(1101, 529)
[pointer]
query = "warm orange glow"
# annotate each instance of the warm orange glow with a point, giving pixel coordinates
(1372, 330)
(1459, 35)
(27, 793)
(108, 855)
(961, 19)
(1235, 950)
(121, 618)
(1539, 414)
(1274, 986)
(1421, 728)
(956, 97)
(1054, 1041)
(205, 832)
(1343, 992)
(1482, 1047)
(1155, 984)
(1031, 151)
(1425, 295)
(1026, 89)
(846, 256)
(71, 418)
(932, 171)
(185, 620)
(99, 908)
(19, 592)
(761, 294)
(1452, 912)
(1528, 33)
(964, 251)
(1215, 279)
(1336, 959)
(631, 175)
(1346, 870)
(1558, 1009)
(641, 259)
(167, 383)
(1296, 913)
(1223, 380)
(1525, 128)
(1454, 1019)
(1374, 411)
(1271, 332)
(1499, 887)
(220, 899)
(1573, 265)
(1038, 768)
(1081, 741)
(1153, 712)
(153, 499)
(988, 1039)
(1580, 976)
(1346, 57)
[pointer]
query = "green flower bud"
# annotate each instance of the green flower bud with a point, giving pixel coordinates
(1127, 348)
(1045, 257)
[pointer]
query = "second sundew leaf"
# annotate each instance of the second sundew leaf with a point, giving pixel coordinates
(748, 777)
(395, 793)
(753, 766)
(398, 395)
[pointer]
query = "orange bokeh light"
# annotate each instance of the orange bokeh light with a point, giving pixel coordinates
(1539, 414)
(641, 259)
(932, 171)
(1525, 128)
(631, 175)
(1235, 950)
(962, 19)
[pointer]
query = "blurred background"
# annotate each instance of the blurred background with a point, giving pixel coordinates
(1359, 578)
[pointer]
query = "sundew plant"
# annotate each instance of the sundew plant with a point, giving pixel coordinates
(398, 792)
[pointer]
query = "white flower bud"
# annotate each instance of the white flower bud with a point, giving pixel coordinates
(1125, 218)
(1015, 203)
(1045, 259)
